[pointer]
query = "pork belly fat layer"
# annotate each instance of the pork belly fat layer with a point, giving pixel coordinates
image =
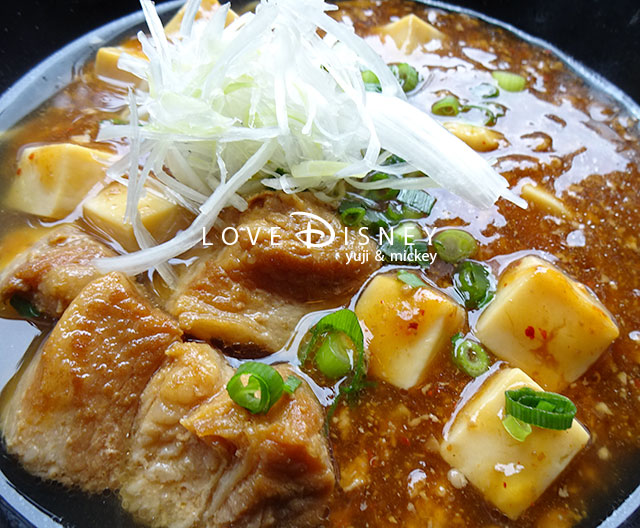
(255, 291)
(54, 270)
(71, 414)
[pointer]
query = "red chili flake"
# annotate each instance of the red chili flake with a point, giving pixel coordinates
(413, 326)
(504, 484)
(404, 440)
(543, 332)
(530, 332)
(19, 172)
(32, 155)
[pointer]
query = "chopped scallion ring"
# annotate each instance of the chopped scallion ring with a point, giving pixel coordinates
(371, 81)
(474, 283)
(332, 356)
(343, 321)
(542, 409)
(447, 106)
(454, 245)
(256, 387)
(352, 216)
(469, 356)
(381, 194)
(489, 117)
(511, 82)
(486, 90)
(517, 429)
(407, 232)
(408, 77)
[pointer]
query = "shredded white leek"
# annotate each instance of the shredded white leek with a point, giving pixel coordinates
(267, 99)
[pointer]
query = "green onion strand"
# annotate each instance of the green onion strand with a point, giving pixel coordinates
(542, 409)
(469, 356)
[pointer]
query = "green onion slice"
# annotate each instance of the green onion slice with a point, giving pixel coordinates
(371, 81)
(24, 307)
(407, 232)
(408, 77)
(416, 199)
(375, 220)
(454, 245)
(393, 160)
(352, 216)
(542, 409)
(332, 355)
(395, 212)
(256, 387)
(344, 321)
(411, 279)
(517, 429)
(486, 90)
(381, 194)
(489, 117)
(474, 283)
(291, 384)
(511, 82)
(497, 109)
(447, 106)
(469, 356)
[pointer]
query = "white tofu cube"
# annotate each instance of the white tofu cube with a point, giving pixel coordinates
(545, 323)
(411, 32)
(106, 212)
(206, 10)
(106, 66)
(510, 474)
(407, 328)
(51, 180)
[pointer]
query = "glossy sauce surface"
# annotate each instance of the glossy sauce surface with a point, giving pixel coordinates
(560, 134)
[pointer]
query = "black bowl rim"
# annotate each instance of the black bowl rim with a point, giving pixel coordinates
(56, 71)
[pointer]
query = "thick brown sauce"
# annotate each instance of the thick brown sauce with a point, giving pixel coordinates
(391, 438)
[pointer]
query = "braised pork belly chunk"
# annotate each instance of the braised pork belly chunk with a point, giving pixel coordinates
(197, 459)
(254, 290)
(71, 415)
(54, 270)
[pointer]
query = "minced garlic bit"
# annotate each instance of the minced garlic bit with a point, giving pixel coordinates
(603, 409)
(457, 479)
